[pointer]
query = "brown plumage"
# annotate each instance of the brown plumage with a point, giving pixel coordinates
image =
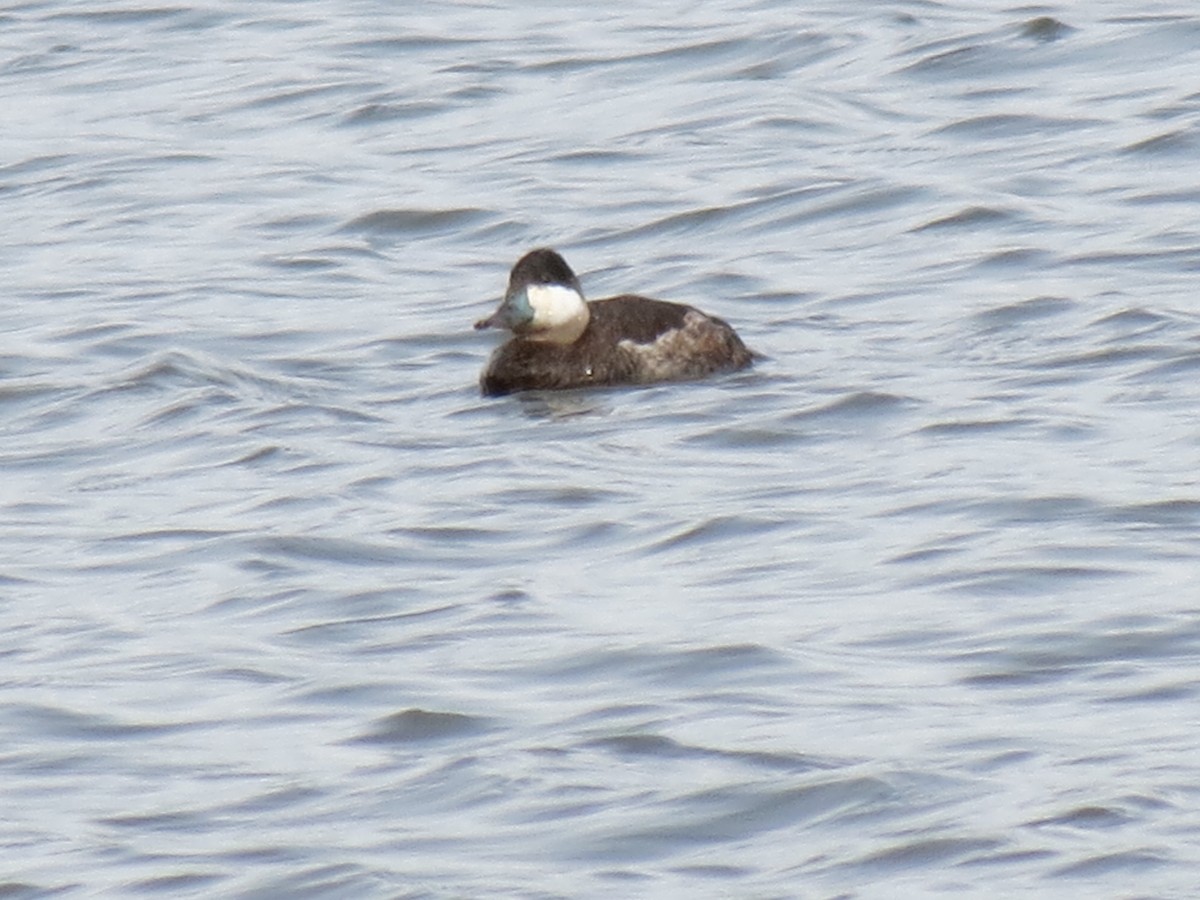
(560, 341)
(628, 340)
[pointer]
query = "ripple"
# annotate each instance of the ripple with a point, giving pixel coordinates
(23, 890)
(748, 438)
(1015, 125)
(424, 726)
(1111, 864)
(938, 60)
(129, 16)
(971, 217)
(1047, 657)
(394, 111)
(1180, 513)
(393, 223)
(724, 665)
(1102, 358)
(1087, 817)
(969, 429)
(1046, 29)
(1179, 367)
(1169, 142)
(861, 404)
(1018, 314)
(719, 529)
(1026, 580)
(658, 746)
(741, 813)
(310, 548)
(171, 885)
(63, 723)
(930, 851)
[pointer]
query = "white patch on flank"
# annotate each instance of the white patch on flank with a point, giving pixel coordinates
(559, 313)
(678, 352)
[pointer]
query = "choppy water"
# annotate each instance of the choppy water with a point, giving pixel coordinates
(287, 609)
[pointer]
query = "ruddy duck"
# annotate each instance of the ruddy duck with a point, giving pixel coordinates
(562, 341)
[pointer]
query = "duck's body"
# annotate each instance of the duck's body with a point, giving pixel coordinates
(562, 341)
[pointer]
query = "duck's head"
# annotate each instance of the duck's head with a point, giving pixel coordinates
(544, 300)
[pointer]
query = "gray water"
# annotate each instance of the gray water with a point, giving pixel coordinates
(911, 608)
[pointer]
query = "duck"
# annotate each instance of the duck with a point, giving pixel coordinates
(561, 341)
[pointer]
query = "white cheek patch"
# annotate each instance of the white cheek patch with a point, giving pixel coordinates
(555, 306)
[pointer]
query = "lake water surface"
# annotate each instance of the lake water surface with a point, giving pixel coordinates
(912, 608)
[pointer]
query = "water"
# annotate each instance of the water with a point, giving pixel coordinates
(289, 610)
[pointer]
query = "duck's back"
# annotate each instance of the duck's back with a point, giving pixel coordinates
(628, 340)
